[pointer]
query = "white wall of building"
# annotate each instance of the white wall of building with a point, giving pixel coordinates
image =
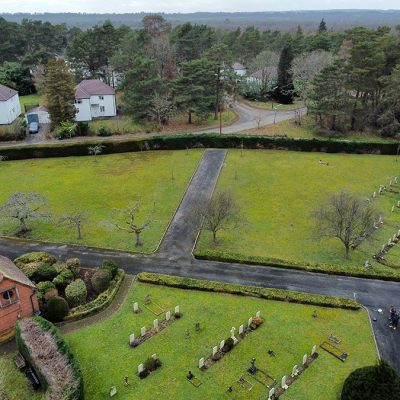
(96, 107)
(9, 110)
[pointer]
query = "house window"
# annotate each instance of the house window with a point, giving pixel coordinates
(102, 109)
(8, 297)
(101, 97)
(78, 101)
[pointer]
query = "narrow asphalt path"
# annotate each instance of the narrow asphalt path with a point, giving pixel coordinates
(181, 236)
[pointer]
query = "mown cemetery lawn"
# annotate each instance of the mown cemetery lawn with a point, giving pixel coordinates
(277, 192)
(289, 331)
(156, 179)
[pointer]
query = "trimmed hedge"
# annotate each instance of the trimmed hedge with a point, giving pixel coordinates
(71, 390)
(254, 291)
(390, 275)
(100, 302)
(29, 263)
(57, 309)
(101, 280)
(184, 141)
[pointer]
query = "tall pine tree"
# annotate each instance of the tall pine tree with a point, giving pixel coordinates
(322, 26)
(284, 92)
(60, 92)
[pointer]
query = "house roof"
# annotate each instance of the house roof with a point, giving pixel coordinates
(9, 270)
(92, 87)
(237, 66)
(6, 93)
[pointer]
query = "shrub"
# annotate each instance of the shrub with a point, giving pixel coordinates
(45, 286)
(111, 266)
(76, 293)
(228, 346)
(29, 263)
(379, 382)
(82, 129)
(152, 364)
(66, 130)
(104, 131)
(73, 264)
(60, 266)
(101, 280)
(45, 272)
(257, 321)
(57, 309)
(63, 279)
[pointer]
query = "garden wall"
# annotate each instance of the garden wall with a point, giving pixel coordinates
(184, 141)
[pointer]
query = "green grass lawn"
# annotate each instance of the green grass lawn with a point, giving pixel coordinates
(31, 99)
(289, 330)
(157, 179)
(269, 105)
(277, 191)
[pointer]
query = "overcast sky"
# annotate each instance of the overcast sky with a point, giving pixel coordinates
(183, 6)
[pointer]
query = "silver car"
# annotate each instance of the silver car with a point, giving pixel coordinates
(33, 127)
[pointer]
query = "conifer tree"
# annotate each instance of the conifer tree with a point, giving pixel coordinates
(284, 92)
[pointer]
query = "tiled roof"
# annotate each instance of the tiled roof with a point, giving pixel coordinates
(237, 66)
(6, 93)
(92, 87)
(9, 270)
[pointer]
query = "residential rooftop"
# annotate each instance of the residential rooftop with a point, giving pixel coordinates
(92, 87)
(6, 93)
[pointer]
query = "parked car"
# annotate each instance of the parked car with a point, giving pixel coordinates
(33, 127)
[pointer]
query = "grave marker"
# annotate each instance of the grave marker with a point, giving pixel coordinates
(271, 393)
(295, 371)
(168, 315)
(155, 324)
(113, 391)
(154, 356)
(392, 208)
(135, 307)
(177, 310)
(305, 359)
(214, 350)
(140, 368)
(222, 344)
(201, 363)
(283, 385)
(142, 331)
(258, 314)
(131, 339)
(240, 329)
(314, 350)
(250, 321)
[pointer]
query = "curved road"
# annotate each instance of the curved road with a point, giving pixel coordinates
(175, 258)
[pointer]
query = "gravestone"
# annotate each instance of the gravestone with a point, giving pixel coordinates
(147, 299)
(140, 368)
(201, 363)
(131, 339)
(392, 208)
(214, 350)
(374, 195)
(258, 314)
(233, 335)
(240, 329)
(314, 350)
(177, 310)
(305, 357)
(113, 391)
(283, 383)
(295, 371)
(250, 321)
(168, 315)
(142, 331)
(154, 356)
(135, 307)
(271, 393)
(155, 324)
(222, 344)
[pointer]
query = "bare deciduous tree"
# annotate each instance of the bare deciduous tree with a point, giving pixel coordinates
(24, 207)
(221, 213)
(95, 150)
(162, 109)
(127, 220)
(75, 219)
(347, 218)
(305, 67)
(265, 68)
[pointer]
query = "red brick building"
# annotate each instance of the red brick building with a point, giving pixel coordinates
(17, 297)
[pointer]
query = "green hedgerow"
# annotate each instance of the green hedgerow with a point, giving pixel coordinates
(57, 309)
(63, 279)
(76, 293)
(45, 272)
(101, 280)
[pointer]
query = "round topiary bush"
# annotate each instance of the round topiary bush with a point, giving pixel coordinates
(29, 263)
(46, 272)
(111, 266)
(63, 279)
(73, 264)
(57, 309)
(76, 293)
(378, 382)
(101, 280)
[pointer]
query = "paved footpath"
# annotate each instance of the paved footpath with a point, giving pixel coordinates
(175, 258)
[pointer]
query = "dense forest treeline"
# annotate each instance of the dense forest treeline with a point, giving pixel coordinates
(285, 20)
(350, 80)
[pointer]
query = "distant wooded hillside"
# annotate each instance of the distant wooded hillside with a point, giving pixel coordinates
(288, 21)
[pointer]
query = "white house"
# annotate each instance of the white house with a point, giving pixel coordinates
(10, 107)
(239, 69)
(94, 99)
